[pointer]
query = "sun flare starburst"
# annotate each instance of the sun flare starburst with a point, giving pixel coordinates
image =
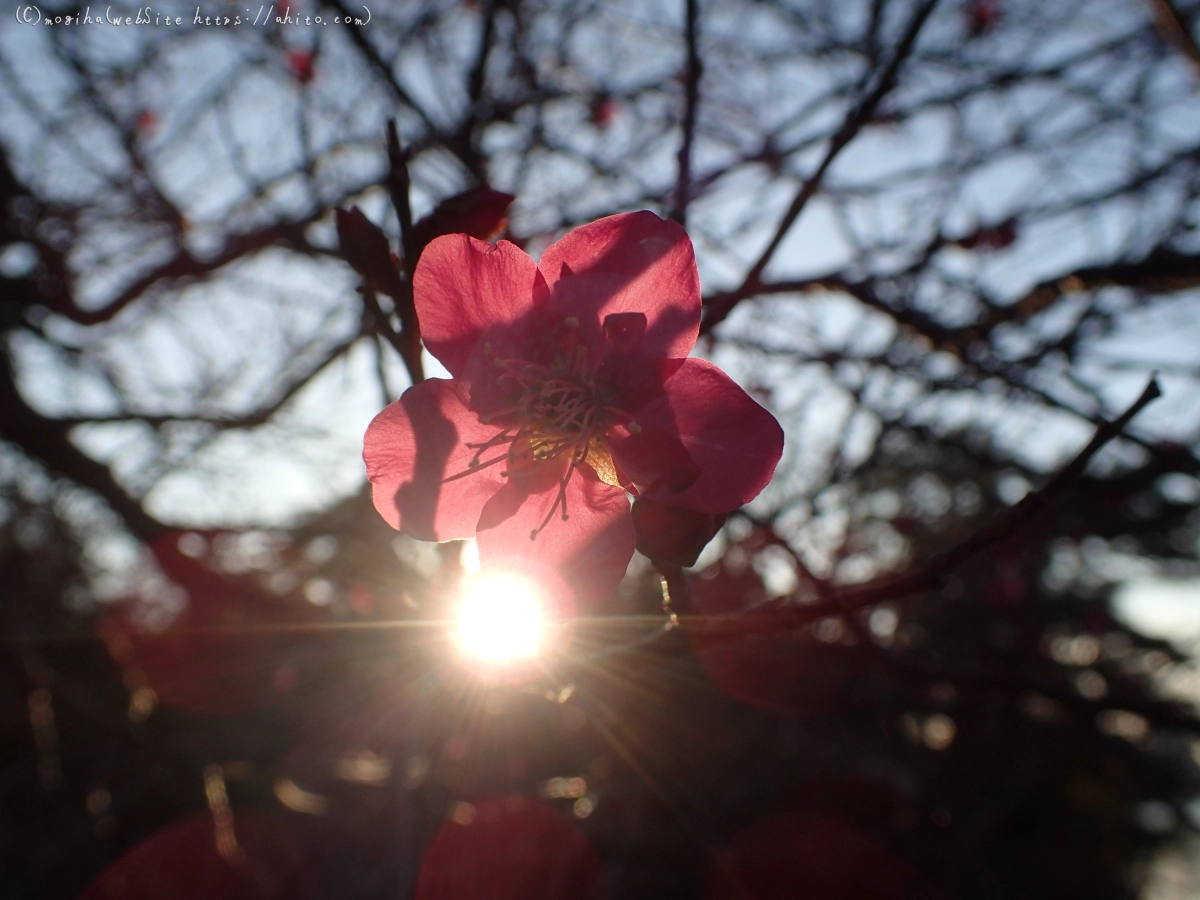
(501, 619)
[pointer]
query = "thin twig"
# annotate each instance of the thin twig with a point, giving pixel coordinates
(784, 613)
(368, 50)
(399, 185)
(1174, 29)
(683, 186)
(408, 341)
(48, 441)
(855, 119)
(409, 350)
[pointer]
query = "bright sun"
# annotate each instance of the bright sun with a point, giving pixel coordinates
(501, 619)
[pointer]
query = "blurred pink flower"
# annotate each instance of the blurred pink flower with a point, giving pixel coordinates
(571, 389)
(301, 63)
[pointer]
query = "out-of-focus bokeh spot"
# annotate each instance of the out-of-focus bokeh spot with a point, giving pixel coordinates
(785, 857)
(183, 862)
(509, 848)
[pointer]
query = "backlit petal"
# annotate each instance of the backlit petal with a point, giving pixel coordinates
(673, 535)
(652, 458)
(631, 263)
(416, 443)
(463, 287)
(735, 442)
(591, 548)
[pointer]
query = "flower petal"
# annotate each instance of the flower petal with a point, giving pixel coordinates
(735, 442)
(652, 458)
(591, 549)
(413, 446)
(463, 286)
(672, 535)
(631, 263)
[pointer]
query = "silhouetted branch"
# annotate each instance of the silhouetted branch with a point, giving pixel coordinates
(785, 613)
(379, 64)
(409, 349)
(48, 442)
(258, 417)
(855, 119)
(399, 185)
(1174, 29)
(683, 185)
(184, 265)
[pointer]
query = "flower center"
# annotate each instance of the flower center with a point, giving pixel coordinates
(555, 412)
(553, 415)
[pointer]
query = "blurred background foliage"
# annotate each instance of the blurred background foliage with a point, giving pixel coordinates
(941, 241)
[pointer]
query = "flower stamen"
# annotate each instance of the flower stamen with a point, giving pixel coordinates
(473, 466)
(553, 412)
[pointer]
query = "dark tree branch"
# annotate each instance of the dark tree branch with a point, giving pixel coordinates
(1174, 29)
(47, 441)
(785, 613)
(253, 419)
(855, 119)
(465, 142)
(377, 62)
(1162, 271)
(683, 186)
(403, 342)
(408, 341)
(1173, 274)
(186, 266)
(399, 185)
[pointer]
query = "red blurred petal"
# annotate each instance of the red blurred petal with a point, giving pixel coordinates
(784, 672)
(201, 663)
(789, 856)
(301, 64)
(182, 862)
(603, 111)
(225, 651)
(983, 16)
(464, 286)
(786, 675)
(513, 849)
(631, 263)
(147, 122)
(591, 549)
(735, 442)
(417, 442)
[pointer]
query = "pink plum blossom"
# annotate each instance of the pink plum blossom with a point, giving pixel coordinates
(572, 389)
